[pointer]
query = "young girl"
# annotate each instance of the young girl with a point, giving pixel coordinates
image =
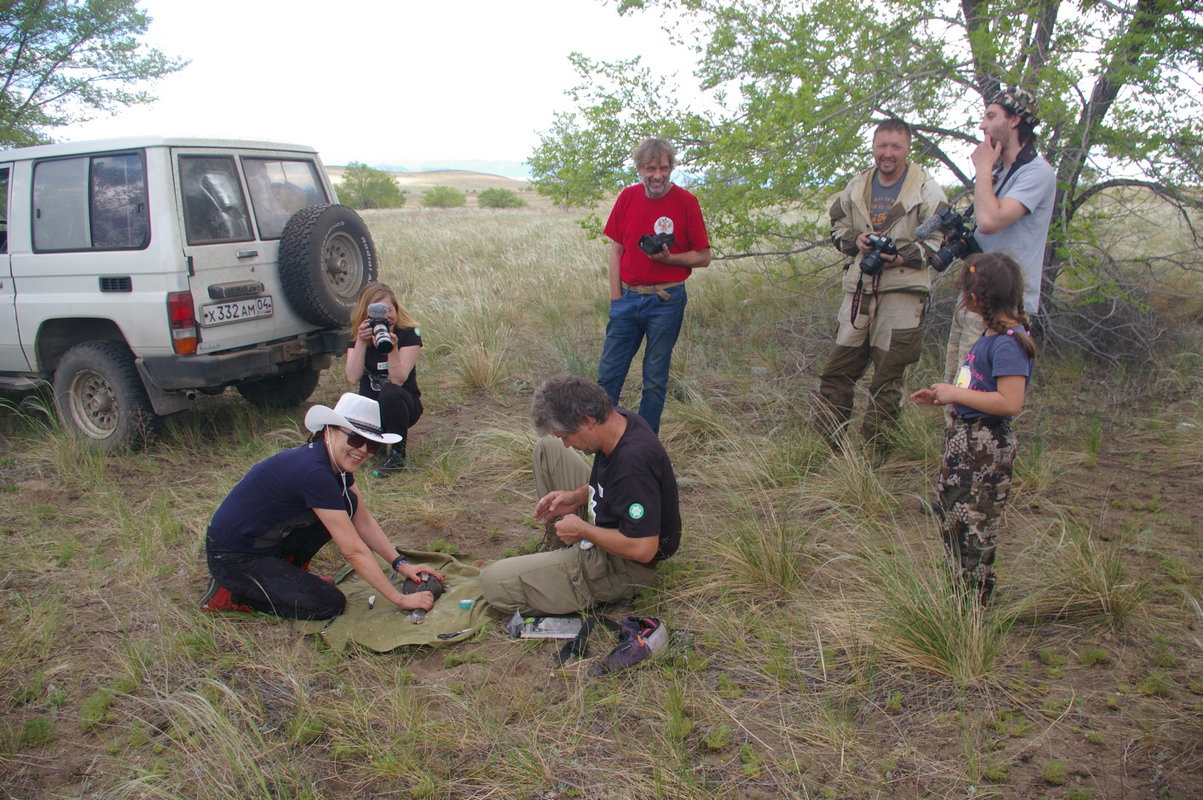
(979, 444)
(392, 379)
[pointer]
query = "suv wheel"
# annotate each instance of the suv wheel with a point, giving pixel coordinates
(281, 391)
(326, 258)
(100, 396)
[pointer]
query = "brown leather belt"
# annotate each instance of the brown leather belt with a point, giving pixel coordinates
(652, 288)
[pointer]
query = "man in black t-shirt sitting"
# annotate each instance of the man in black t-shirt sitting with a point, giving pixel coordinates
(630, 516)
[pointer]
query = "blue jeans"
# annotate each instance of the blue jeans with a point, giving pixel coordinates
(632, 317)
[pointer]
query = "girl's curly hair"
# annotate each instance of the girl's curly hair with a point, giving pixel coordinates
(996, 282)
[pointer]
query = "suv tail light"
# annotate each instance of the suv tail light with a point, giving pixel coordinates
(182, 316)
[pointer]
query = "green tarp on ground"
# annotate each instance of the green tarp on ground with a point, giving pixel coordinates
(386, 627)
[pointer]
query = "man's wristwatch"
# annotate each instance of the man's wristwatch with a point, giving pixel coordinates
(397, 562)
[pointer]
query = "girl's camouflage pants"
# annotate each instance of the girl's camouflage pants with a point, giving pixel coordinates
(973, 485)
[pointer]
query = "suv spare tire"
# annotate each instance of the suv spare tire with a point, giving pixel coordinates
(326, 258)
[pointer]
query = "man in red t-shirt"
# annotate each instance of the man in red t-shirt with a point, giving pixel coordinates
(647, 292)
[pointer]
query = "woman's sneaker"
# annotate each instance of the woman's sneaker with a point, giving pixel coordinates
(218, 598)
(638, 639)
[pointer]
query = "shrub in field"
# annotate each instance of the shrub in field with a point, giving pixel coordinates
(919, 613)
(443, 197)
(1087, 578)
(37, 732)
(762, 554)
(497, 197)
(1055, 773)
(366, 187)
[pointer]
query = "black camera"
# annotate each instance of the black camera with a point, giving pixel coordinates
(959, 240)
(378, 319)
(883, 245)
(655, 244)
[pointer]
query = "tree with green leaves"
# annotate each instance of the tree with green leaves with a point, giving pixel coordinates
(790, 88)
(64, 61)
(497, 197)
(367, 187)
(443, 197)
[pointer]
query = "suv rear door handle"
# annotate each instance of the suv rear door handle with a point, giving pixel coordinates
(247, 253)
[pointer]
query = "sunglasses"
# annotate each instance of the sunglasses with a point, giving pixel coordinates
(355, 441)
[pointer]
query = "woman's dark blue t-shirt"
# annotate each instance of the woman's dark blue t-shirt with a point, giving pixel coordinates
(278, 496)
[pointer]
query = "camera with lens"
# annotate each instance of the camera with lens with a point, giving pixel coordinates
(378, 319)
(959, 240)
(655, 244)
(873, 262)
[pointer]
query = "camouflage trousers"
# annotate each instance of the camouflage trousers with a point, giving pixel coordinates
(975, 479)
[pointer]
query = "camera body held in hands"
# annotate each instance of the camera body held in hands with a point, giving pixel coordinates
(873, 262)
(381, 330)
(959, 240)
(655, 244)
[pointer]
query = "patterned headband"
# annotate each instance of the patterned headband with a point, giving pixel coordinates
(1018, 101)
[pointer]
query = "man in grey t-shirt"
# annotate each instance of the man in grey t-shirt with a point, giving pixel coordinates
(1013, 205)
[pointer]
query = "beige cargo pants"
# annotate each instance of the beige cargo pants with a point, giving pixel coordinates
(569, 579)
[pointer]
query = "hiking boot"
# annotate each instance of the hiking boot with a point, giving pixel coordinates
(394, 462)
(218, 598)
(639, 638)
(931, 508)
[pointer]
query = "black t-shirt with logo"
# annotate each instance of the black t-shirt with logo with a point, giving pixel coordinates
(375, 364)
(634, 489)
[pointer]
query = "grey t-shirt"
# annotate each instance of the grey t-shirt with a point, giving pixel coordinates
(883, 198)
(1035, 185)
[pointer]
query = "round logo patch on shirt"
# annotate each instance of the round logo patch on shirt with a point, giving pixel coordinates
(663, 225)
(417, 331)
(635, 511)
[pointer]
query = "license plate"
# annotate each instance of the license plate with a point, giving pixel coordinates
(237, 311)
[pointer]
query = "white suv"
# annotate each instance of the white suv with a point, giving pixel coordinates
(135, 273)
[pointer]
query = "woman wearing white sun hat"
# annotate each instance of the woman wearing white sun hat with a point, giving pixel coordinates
(288, 506)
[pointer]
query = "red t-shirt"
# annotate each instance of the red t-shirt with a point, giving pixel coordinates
(635, 215)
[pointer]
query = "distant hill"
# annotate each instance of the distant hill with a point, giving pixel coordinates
(517, 170)
(468, 182)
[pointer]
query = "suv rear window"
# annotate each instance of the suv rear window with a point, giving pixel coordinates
(90, 203)
(214, 206)
(279, 189)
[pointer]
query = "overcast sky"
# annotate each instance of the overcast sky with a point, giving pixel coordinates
(400, 82)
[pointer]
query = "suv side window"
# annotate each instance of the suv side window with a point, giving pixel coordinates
(214, 206)
(60, 205)
(280, 189)
(119, 212)
(90, 203)
(4, 210)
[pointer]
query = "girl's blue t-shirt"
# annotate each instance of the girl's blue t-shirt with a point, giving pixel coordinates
(278, 496)
(992, 357)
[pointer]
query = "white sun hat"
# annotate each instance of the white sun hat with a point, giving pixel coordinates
(361, 414)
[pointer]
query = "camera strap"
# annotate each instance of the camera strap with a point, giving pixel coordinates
(858, 295)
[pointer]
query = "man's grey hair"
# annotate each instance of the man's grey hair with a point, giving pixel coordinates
(562, 404)
(651, 149)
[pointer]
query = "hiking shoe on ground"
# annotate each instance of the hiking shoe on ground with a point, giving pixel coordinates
(931, 508)
(394, 463)
(639, 638)
(218, 598)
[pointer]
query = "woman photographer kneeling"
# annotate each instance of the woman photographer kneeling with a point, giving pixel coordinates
(381, 359)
